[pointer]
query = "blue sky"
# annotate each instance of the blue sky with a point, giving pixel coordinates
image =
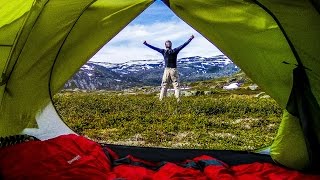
(155, 25)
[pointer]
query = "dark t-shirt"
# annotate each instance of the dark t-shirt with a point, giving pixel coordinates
(170, 55)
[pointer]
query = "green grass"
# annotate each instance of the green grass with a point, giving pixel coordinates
(219, 121)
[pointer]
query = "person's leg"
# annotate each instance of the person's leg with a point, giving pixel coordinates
(164, 84)
(175, 82)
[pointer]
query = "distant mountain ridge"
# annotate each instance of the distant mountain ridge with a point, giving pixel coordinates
(119, 76)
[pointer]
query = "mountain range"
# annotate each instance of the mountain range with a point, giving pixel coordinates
(135, 73)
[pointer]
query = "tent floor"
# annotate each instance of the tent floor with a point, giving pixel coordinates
(176, 155)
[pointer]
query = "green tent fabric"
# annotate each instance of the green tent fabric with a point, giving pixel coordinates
(249, 34)
(12, 19)
(290, 136)
(252, 39)
(57, 37)
(44, 42)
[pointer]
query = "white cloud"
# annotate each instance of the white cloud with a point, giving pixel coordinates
(127, 45)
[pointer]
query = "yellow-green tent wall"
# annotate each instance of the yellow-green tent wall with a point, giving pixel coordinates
(44, 42)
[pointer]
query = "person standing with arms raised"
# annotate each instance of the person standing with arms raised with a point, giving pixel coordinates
(170, 74)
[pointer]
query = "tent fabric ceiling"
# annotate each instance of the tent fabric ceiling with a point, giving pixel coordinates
(44, 42)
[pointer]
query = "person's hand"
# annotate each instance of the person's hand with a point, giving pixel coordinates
(192, 36)
(145, 42)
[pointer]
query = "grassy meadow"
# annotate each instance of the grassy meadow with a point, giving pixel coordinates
(234, 120)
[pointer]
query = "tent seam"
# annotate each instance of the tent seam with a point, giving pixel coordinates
(6, 45)
(18, 36)
(292, 47)
(316, 5)
(14, 47)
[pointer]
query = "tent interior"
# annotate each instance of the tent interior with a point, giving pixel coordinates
(276, 43)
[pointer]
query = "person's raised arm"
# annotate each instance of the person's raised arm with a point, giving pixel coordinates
(152, 47)
(184, 45)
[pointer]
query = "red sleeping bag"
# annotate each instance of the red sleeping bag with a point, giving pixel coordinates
(75, 157)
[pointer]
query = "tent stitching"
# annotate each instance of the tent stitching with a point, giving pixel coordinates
(17, 59)
(18, 36)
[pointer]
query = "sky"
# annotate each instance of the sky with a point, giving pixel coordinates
(155, 25)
